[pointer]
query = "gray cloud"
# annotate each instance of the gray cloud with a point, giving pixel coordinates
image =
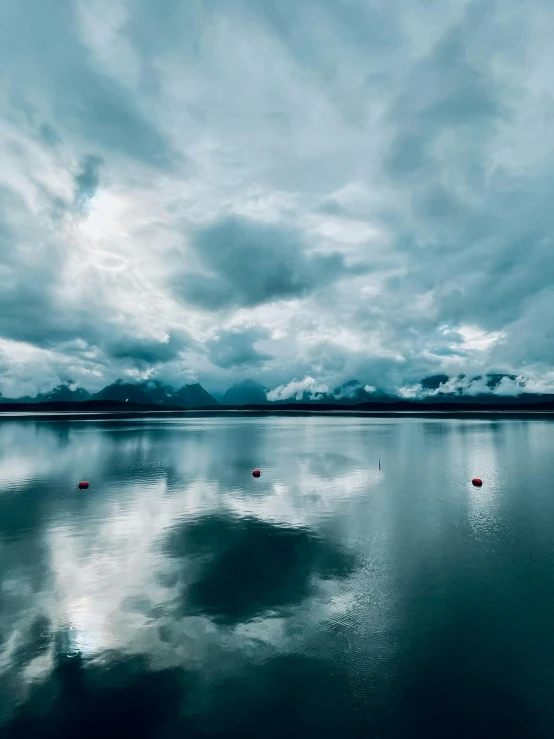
(29, 264)
(146, 352)
(57, 70)
(235, 349)
(86, 182)
(249, 263)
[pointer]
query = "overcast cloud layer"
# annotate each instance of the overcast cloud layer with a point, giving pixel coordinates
(277, 189)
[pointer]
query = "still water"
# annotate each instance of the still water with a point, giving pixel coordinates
(181, 597)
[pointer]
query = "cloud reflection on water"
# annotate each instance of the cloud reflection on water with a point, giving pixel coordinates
(323, 593)
(110, 575)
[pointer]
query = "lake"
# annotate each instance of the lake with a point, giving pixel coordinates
(180, 597)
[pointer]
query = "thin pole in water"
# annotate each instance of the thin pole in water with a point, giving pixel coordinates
(379, 464)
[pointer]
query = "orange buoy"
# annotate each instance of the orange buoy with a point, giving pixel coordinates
(83, 485)
(256, 473)
(477, 482)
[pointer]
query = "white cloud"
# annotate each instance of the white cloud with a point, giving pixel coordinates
(508, 386)
(308, 388)
(475, 339)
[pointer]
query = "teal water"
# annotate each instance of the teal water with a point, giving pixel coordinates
(181, 597)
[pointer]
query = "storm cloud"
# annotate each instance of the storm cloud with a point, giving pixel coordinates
(235, 348)
(301, 193)
(249, 263)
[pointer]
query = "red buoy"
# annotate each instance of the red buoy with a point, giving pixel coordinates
(84, 485)
(477, 482)
(256, 473)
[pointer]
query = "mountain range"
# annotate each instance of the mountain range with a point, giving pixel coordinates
(434, 390)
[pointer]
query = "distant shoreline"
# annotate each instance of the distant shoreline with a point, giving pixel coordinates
(127, 411)
(384, 405)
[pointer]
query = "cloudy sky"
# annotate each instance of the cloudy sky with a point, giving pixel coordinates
(208, 190)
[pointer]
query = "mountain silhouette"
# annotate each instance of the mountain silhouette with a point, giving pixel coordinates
(65, 392)
(128, 392)
(193, 396)
(149, 392)
(246, 392)
(157, 392)
(494, 390)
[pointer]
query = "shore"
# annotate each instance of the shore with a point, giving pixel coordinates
(473, 412)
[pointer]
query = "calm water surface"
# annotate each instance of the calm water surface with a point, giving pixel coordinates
(181, 597)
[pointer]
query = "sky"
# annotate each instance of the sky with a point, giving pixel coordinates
(294, 191)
